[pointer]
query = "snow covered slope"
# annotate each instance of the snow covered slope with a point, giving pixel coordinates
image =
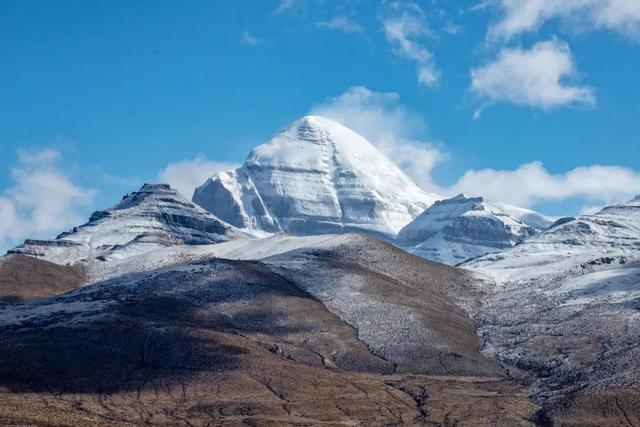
(563, 304)
(400, 313)
(156, 216)
(531, 218)
(572, 246)
(315, 176)
(239, 249)
(454, 230)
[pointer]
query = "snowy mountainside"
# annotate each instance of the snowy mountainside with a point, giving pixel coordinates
(153, 217)
(453, 230)
(563, 304)
(572, 246)
(531, 218)
(238, 249)
(315, 176)
(370, 286)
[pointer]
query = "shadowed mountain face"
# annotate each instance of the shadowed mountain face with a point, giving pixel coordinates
(266, 342)
(407, 310)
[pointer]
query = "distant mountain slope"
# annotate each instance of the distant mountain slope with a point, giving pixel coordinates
(153, 217)
(531, 218)
(573, 246)
(453, 230)
(315, 176)
(563, 307)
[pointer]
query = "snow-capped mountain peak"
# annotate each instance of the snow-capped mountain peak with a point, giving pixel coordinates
(153, 217)
(456, 229)
(315, 176)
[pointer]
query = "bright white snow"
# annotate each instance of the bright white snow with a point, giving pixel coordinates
(315, 176)
(454, 230)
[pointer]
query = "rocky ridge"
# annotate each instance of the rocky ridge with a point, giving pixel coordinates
(153, 217)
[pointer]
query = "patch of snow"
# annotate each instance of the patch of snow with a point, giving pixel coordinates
(531, 218)
(610, 286)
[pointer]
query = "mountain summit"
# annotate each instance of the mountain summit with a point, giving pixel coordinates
(153, 217)
(456, 229)
(315, 176)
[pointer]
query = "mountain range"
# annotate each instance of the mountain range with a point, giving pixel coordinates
(318, 285)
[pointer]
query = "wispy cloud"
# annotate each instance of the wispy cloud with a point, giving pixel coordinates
(521, 16)
(185, 175)
(248, 39)
(43, 199)
(532, 183)
(288, 6)
(452, 29)
(392, 128)
(341, 23)
(406, 29)
(533, 77)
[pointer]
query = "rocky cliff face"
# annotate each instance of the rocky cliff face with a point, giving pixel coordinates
(454, 230)
(153, 217)
(315, 176)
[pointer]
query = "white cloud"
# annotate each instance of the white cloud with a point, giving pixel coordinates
(405, 27)
(186, 175)
(341, 23)
(535, 78)
(520, 16)
(248, 39)
(43, 199)
(452, 29)
(392, 128)
(532, 183)
(395, 131)
(288, 6)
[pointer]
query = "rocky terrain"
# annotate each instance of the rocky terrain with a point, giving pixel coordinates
(315, 176)
(153, 217)
(326, 329)
(563, 307)
(454, 230)
(380, 337)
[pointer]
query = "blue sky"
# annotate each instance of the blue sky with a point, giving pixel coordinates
(101, 96)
